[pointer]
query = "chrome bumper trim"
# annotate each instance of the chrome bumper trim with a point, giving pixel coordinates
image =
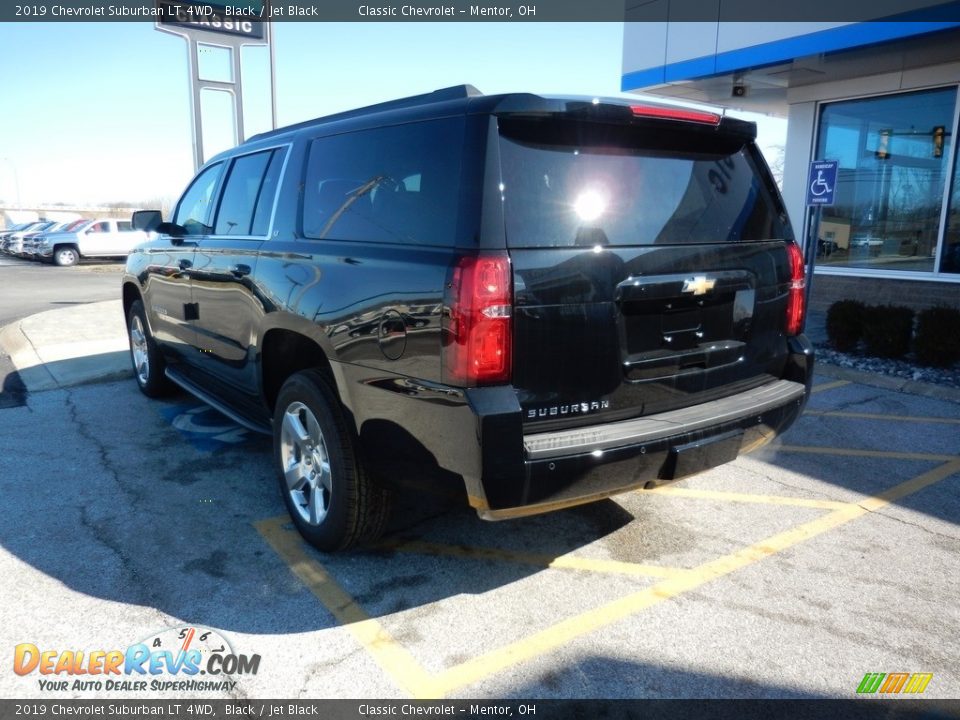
(543, 446)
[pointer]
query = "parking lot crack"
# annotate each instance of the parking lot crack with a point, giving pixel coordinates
(913, 525)
(97, 531)
(83, 430)
(803, 492)
(100, 529)
(849, 404)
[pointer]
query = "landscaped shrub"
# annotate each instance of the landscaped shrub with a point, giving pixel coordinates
(845, 324)
(938, 336)
(887, 330)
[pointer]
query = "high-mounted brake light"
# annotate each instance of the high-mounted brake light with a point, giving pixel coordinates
(796, 299)
(477, 346)
(666, 113)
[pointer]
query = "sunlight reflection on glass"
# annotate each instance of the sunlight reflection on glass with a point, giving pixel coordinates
(590, 205)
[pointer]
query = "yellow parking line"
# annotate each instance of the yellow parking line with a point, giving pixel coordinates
(564, 562)
(880, 416)
(851, 452)
(872, 504)
(399, 664)
(563, 632)
(746, 497)
(829, 385)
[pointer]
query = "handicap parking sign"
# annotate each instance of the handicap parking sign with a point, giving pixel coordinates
(822, 182)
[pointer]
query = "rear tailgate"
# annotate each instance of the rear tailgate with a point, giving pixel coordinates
(649, 264)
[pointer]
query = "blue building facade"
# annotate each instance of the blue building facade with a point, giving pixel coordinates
(880, 97)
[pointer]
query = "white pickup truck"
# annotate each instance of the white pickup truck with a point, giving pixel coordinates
(96, 239)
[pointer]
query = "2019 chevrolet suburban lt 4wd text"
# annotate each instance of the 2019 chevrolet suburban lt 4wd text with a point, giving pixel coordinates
(540, 302)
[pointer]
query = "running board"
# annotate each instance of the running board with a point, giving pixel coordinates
(200, 394)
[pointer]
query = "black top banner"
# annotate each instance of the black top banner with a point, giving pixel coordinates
(240, 17)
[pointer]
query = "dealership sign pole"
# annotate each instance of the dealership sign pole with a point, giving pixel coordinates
(215, 36)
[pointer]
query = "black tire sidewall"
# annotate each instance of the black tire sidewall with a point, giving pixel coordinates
(336, 529)
(156, 385)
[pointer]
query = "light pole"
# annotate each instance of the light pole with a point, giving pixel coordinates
(16, 181)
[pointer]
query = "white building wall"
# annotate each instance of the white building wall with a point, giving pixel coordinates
(801, 121)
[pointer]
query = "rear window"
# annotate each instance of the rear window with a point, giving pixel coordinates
(568, 183)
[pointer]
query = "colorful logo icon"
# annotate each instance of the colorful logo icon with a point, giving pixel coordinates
(894, 683)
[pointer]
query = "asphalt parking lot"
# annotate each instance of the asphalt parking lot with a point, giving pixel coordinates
(791, 572)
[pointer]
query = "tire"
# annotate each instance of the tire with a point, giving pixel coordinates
(333, 502)
(66, 256)
(145, 356)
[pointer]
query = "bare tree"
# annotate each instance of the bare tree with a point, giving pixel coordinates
(775, 155)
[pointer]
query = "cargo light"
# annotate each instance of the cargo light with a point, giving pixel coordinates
(666, 113)
(796, 298)
(477, 344)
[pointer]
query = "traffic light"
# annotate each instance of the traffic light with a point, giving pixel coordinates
(883, 146)
(938, 133)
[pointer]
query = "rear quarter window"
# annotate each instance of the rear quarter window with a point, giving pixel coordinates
(568, 183)
(396, 184)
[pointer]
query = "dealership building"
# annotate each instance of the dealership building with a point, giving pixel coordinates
(878, 97)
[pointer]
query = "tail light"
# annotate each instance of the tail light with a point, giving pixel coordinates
(477, 345)
(796, 299)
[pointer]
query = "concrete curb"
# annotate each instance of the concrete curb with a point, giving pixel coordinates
(69, 346)
(31, 369)
(886, 382)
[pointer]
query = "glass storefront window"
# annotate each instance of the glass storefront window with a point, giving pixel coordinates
(893, 153)
(950, 257)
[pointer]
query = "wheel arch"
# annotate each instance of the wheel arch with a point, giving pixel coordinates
(131, 293)
(284, 351)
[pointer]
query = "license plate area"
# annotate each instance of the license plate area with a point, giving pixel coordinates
(699, 455)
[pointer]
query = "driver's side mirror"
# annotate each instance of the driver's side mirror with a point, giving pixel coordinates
(152, 221)
(148, 220)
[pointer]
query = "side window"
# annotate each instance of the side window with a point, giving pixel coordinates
(268, 194)
(196, 207)
(240, 193)
(100, 227)
(124, 226)
(396, 184)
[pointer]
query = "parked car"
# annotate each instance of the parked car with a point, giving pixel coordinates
(544, 301)
(13, 243)
(864, 243)
(95, 239)
(5, 234)
(826, 247)
(31, 239)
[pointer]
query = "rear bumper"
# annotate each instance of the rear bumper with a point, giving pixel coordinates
(473, 440)
(577, 466)
(571, 467)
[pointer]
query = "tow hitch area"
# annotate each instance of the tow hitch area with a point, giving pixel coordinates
(701, 455)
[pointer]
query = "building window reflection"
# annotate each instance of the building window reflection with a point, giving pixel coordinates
(893, 153)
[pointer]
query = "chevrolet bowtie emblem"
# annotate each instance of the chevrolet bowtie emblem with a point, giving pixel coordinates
(698, 285)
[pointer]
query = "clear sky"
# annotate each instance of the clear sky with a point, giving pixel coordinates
(99, 112)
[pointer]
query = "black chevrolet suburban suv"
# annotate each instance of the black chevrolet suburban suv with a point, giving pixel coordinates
(540, 301)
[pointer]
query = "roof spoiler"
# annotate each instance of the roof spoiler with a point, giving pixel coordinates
(457, 92)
